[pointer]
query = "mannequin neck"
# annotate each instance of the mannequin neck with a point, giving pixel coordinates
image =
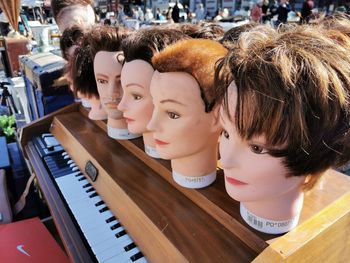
(96, 112)
(285, 208)
(198, 164)
(194, 182)
(117, 123)
(150, 146)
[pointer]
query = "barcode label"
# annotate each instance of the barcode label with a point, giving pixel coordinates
(254, 221)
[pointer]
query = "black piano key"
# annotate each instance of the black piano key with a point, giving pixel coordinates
(136, 256)
(90, 190)
(120, 234)
(82, 178)
(111, 219)
(86, 185)
(130, 246)
(93, 195)
(104, 209)
(115, 226)
(100, 203)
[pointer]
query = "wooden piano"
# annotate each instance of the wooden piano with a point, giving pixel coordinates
(165, 222)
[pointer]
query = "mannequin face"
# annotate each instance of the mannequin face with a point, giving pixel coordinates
(251, 174)
(136, 104)
(75, 15)
(107, 70)
(180, 125)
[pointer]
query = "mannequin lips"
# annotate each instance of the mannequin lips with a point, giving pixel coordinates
(128, 120)
(233, 181)
(160, 143)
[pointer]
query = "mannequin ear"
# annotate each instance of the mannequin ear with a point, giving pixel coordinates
(216, 125)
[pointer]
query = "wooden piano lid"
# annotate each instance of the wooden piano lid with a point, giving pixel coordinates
(165, 213)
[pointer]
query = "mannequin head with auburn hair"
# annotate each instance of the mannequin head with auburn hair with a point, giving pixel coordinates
(284, 99)
(185, 120)
(136, 103)
(105, 50)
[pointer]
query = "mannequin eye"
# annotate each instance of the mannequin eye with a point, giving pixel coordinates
(137, 97)
(102, 81)
(225, 134)
(257, 149)
(173, 115)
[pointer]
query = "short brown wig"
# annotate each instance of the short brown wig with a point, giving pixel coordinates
(294, 89)
(70, 37)
(196, 57)
(58, 5)
(233, 34)
(144, 43)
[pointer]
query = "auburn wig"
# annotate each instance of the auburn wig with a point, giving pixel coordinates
(196, 57)
(294, 89)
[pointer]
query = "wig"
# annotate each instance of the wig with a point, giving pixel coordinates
(233, 34)
(144, 43)
(294, 89)
(203, 30)
(71, 36)
(97, 38)
(196, 57)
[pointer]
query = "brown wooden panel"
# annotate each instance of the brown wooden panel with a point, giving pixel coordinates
(164, 223)
(323, 238)
(72, 241)
(218, 204)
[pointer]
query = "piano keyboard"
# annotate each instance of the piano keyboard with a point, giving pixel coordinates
(106, 236)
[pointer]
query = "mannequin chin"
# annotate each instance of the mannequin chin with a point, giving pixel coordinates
(97, 112)
(136, 103)
(107, 68)
(267, 193)
(184, 133)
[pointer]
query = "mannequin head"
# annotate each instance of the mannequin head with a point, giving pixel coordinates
(184, 119)
(105, 50)
(72, 12)
(81, 70)
(139, 49)
(107, 68)
(285, 108)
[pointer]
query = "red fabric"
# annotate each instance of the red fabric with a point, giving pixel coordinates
(29, 241)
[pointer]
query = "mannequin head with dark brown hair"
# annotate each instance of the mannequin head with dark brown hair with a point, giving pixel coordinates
(285, 109)
(105, 50)
(136, 103)
(185, 120)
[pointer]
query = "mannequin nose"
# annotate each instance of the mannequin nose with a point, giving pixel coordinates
(153, 123)
(228, 154)
(122, 104)
(115, 91)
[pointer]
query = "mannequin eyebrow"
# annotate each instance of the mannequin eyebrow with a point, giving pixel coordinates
(102, 75)
(134, 84)
(173, 101)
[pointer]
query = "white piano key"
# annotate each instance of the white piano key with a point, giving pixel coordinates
(140, 260)
(120, 257)
(112, 242)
